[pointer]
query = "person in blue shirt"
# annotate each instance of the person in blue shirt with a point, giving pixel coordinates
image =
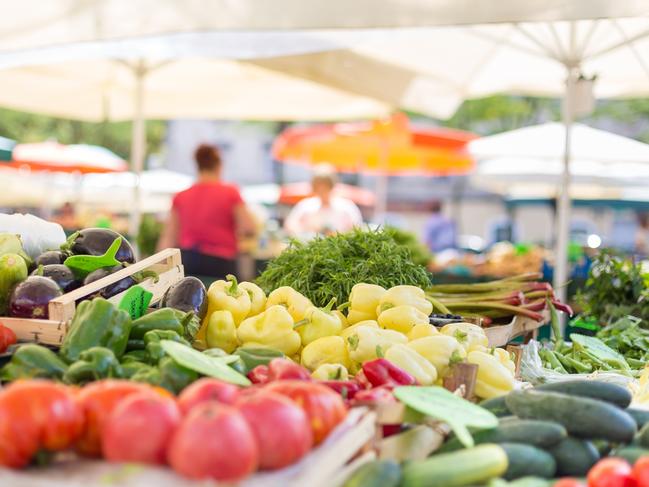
(439, 232)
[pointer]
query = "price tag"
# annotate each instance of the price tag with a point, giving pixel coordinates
(83, 265)
(136, 301)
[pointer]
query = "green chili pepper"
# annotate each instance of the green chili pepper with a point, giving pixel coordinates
(93, 364)
(571, 363)
(162, 319)
(152, 342)
(32, 361)
(252, 357)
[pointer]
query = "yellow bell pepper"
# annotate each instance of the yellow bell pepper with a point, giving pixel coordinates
(412, 362)
(410, 295)
(367, 343)
(421, 331)
(363, 300)
(318, 323)
(341, 316)
(402, 318)
(494, 379)
(330, 372)
(350, 330)
(505, 358)
(469, 335)
(228, 295)
(221, 331)
(272, 329)
(440, 350)
(257, 297)
(293, 301)
(325, 350)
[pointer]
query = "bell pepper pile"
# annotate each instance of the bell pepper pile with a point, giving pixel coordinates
(212, 430)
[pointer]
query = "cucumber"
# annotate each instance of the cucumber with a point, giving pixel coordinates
(528, 461)
(641, 416)
(582, 417)
(379, 473)
(574, 457)
(603, 447)
(630, 453)
(497, 406)
(529, 431)
(530, 482)
(595, 389)
(643, 436)
(458, 469)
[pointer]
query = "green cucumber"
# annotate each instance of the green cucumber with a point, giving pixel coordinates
(529, 431)
(641, 416)
(582, 417)
(497, 406)
(378, 473)
(595, 389)
(630, 453)
(528, 461)
(458, 469)
(574, 457)
(643, 436)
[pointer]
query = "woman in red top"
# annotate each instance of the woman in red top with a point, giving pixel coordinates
(206, 220)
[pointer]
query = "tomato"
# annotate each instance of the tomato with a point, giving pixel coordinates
(206, 389)
(19, 435)
(568, 482)
(140, 428)
(97, 401)
(324, 408)
(640, 472)
(7, 338)
(214, 441)
(280, 426)
(611, 472)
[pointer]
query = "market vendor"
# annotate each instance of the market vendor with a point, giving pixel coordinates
(207, 219)
(324, 213)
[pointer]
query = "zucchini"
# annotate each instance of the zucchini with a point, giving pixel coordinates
(529, 431)
(630, 453)
(497, 406)
(379, 473)
(458, 469)
(595, 389)
(641, 416)
(528, 461)
(643, 436)
(574, 457)
(582, 417)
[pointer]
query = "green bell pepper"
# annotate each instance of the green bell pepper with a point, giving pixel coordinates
(32, 361)
(152, 342)
(132, 367)
(161, 319)
(96, 323)
(134, 344)
(252, 356)
(167, 374)
(93, 364)
(135, 356)
(239, 365)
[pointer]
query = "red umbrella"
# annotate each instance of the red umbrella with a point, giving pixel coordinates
(52, 156)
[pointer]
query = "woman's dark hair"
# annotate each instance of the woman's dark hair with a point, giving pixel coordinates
(207, 157)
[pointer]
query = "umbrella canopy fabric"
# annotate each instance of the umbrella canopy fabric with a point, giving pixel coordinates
(6, 148)
(385, 147)
(52, 156)
(293, 193)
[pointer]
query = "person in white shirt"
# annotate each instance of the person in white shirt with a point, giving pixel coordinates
(323, 213)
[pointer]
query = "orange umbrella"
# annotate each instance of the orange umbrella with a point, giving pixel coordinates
(291, 194)
(387, 147)
(52, 156)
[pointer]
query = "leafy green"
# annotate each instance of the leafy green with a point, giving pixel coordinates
(627, 336)
(418, 251)
(328, 267)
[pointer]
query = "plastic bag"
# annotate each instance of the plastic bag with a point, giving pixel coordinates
(37, 235)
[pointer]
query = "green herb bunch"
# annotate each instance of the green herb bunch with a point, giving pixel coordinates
(418, 251)
(328, 267)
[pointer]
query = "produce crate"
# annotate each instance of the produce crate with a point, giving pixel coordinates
(501, 335)
(328, 465)
(167, 264)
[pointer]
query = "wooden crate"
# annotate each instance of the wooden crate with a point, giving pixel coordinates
(167, 264)
(501, 335)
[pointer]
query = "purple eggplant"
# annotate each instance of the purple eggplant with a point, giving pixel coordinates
(96, 241)
(60, 274)
(188, 294)
(51, 257)
(31, 297)
(112, 289)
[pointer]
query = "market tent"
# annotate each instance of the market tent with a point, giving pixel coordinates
(6, 148)
(79, 158)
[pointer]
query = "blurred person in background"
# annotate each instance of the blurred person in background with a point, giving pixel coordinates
(207, 220)
(642, 235)
(439, 231)
(322, 213)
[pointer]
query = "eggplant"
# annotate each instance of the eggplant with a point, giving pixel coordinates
(51, 257)
(112, 289)
(31, 297)
(60, 274)
(96, 241)
(188, 294)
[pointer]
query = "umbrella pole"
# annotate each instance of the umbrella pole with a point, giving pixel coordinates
(563, 208)
(381, 206)
(138, 146)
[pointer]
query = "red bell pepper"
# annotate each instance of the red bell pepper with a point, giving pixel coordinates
(382, 372)
(346, 388)
(259, 375)
(378, 394)
(362, 380)
(285, 369)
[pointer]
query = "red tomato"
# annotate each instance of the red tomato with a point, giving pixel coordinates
(97, 401)
(214, 441)
(641, 472)
(611, 472)
(568, 482)
(207, 389)
(324, 408)
(140, 428)
(7, 338)
(280, 426)
(19, 435)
